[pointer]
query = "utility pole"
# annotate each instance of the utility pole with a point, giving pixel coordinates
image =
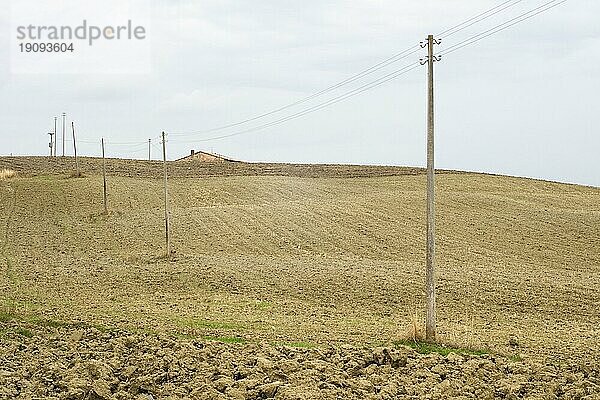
(430, 323)
(55, 136)
(104, 178)
(51, 143)
(166, 197)
(149, 144)
(64, 115)
(75, 149)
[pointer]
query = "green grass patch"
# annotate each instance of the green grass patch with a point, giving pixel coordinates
(299, 345)
(43, 178)
(4, 332)
(142, 331)
(515, 358)
(233, 339)
(6, 316)
(49, 323)
(428, 348)
(23, 332)
(213, 325)
(262, 305)
(183, 336)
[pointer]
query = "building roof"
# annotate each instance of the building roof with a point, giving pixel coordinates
(195, 153)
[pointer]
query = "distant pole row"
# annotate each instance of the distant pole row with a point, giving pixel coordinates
(430, 205)
(165, 181)
(54, 136)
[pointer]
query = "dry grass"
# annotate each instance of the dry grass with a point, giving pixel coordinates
(76, 174)
(6, 174)
(414, 332)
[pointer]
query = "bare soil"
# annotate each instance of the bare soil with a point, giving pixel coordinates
(31, 166)
(86, 363)
(321, 262)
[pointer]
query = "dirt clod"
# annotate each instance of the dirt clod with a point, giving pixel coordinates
(212, 371)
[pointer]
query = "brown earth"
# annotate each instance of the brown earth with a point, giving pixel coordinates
(87, 363)
(32, 166)
(302, 256)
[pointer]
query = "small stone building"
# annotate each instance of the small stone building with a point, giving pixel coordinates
(205, 157)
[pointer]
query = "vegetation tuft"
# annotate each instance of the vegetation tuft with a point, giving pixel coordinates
(223, 339)
(6, 174)
(183, 336)
(428, 348)
(215, 325)
(76, 174)
(6, 316)
(299, 345)
(23, 332)
(515, 358)
(49, 323)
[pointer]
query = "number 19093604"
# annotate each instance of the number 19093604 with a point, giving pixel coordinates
(46, 47)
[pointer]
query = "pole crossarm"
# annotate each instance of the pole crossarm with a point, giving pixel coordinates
(434, 57)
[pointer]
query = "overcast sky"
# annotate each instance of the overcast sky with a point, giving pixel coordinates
(519, 103)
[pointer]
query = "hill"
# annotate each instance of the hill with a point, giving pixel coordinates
(304, 255)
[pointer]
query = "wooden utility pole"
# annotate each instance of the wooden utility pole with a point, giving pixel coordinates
(63, 133)
(75, 149)
(168, 242)
(55, 136)
(430, 323)
(104, 178)
(50, 144)
(149, 144)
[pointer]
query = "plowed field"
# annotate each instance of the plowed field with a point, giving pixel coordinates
(310, 257)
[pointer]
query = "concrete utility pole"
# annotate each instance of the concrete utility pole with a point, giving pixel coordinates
(166, 197)
(149, 144)
(51, 142)
(75, 149)
(55, 136)
(64, 115)
(104, 178)
(430, 324)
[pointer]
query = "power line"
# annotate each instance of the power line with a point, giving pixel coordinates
(474, 20)
(505, 25)
(473, 39)
(144, 142)
(368, 71)
(378, 82)
(134, 151)
(393, 59)
(106, 141)
(320, 106)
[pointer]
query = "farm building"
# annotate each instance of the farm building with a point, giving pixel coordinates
(205, 157)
